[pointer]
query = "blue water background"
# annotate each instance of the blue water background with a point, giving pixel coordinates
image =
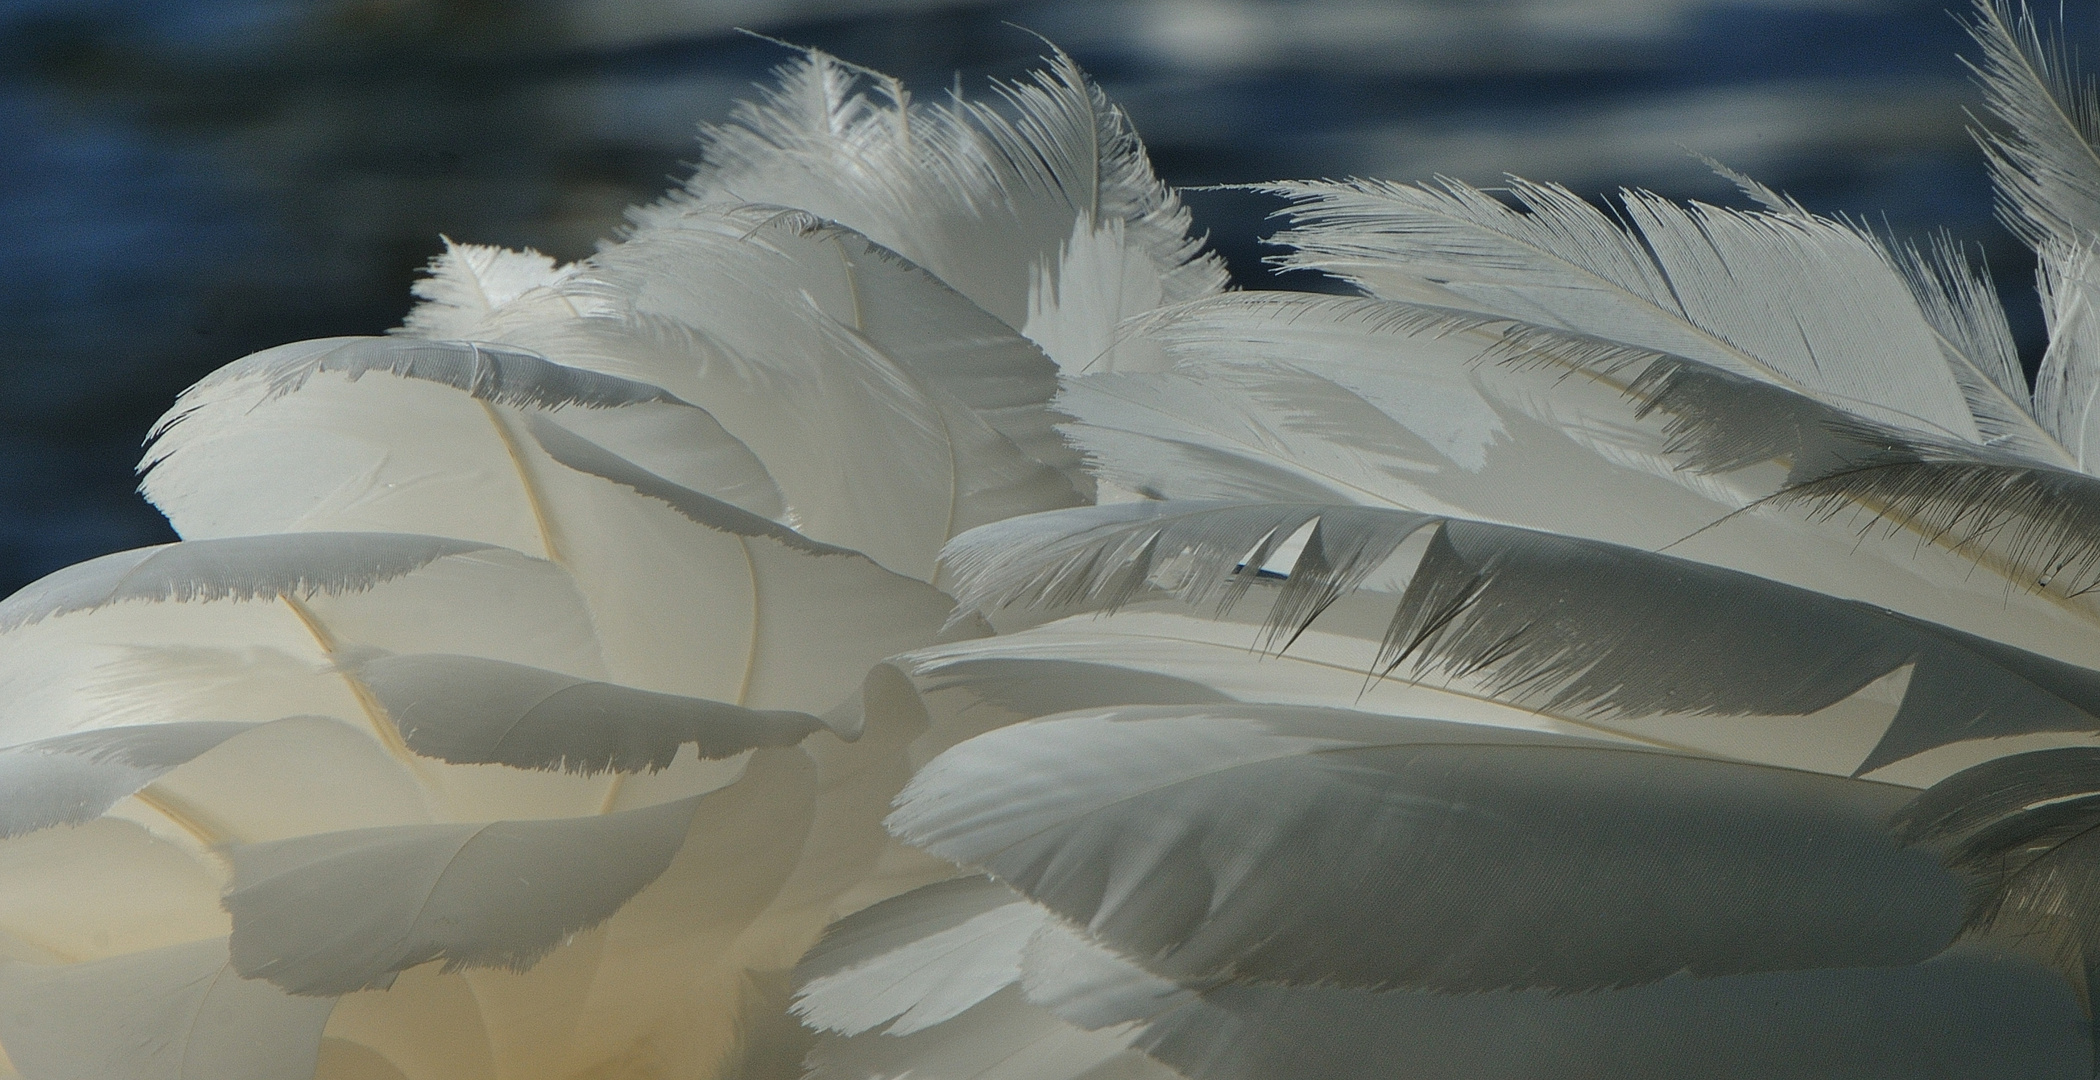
(184, 183)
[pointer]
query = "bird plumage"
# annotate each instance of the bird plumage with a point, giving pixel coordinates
(1656, 646)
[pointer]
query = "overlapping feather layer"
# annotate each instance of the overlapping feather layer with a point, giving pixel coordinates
(1653, 647)
(1661, 647)
(510, 709)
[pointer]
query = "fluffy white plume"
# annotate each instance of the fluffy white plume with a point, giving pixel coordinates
(1433, 715)
(512, 707)
(1643, 650)
(1040, 206)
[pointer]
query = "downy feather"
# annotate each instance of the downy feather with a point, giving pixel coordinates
(468, 281)
(2067, 387)
(2044, 164)
(1959, 303)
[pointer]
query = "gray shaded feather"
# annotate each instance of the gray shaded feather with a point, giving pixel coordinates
(1002, 1036)
(1978, 1017)
(1971, 1013)
(233, 568)
(1315, 846)
(1585, 628)
(1102, 557)
(2036, 524)
(945, 340)
(898, 921)
(70, 779)
(498, 374)
(173, 1013)
(1032, 687)
(471, 711)
(337, 912)
(1963, 804)
(585, 456)
(2021, 831)
(1578, 627)
(916, 961)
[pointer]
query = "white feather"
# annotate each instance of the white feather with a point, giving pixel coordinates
(869, 447)
(924, 972)
(175, 1013)
(1323, 399)
(990, 200)
(470, 280)
(1797, 300)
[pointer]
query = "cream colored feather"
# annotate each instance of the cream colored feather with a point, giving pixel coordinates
(1651, 650)
(512, 707)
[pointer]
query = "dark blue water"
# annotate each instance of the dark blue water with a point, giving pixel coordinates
(183, 183)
